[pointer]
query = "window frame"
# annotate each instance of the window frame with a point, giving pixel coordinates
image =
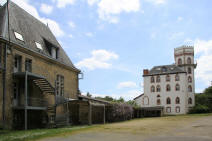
(168, 88)
(158, 90)
(18, 36)
(168, 100)
(177, 100)
(152, 79)
(179, 61)
(158, 78)
(177, 87)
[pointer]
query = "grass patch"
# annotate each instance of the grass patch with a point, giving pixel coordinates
(35, 134)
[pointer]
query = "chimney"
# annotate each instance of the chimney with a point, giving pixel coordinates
(145, 72)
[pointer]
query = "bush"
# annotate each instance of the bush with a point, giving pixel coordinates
(118, 112)
(199, 109)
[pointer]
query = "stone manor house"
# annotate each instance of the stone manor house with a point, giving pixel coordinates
(38, 82)
(170, 88)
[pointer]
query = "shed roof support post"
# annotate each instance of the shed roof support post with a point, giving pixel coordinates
(90, 114)
(26, 102)
(104, 115)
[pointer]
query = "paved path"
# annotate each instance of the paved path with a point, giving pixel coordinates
(152, 129)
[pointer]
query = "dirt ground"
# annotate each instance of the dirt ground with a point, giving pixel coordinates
(174, 128)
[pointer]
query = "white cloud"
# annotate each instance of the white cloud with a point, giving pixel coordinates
(64, 3)
(176, 35)
(203, 50)
(127, 84)
(179, 19)
(71, 24)
(157, 2)
(47, 9)
(99, 60)
(53, 25)
(89, 34)
(71, 36)
(109, 9)
(92, 2)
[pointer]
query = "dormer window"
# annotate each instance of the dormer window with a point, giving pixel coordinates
(39, 46)
(54, 52)
(18, 36)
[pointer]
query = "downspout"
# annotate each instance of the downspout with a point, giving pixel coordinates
(5, 69)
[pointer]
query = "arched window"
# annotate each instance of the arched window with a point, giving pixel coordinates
(177, 100)
(179, 61)
(152, 79)
(158, 96)
(168, 109)
(158, 101)
(167, 78)
(177, 77)
(158, 78)
(177, 87)
(189, 88)
(189, 79)
(190, 100)
(189, 60)
(158, 88)
(152, 88)
(177, 109)
(146, 100)
(168, 87)
(168, 101)
(189, 70)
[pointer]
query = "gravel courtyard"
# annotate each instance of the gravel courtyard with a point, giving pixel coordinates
(173, 128)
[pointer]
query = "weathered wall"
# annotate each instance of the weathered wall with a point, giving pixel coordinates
(40, 66)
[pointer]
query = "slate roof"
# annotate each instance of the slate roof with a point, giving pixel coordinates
(165, 69)
(32, 31)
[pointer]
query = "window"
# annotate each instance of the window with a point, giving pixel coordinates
(158, 88)
(179, 61)
(18, 36)
(17, 63)
(177, 77)
(190, 100)
(168, 101)
(189, 79)
(158, 96)
(168, 109)
(146, 100)
(189, 70)
(177, 109)
(158, 78)
(158, 101)
(60, 85)
(164, 69)
(189, 60)
(39, 46)
(168, 87)
(189, 88)
(177, 100)
(177, 87)
(152, 79)
(167, 78)
(152, 88)
(28, 65)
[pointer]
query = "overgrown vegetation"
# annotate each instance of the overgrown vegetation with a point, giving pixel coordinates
(203, 102)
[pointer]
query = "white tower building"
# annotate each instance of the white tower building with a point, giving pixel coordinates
(171, 86)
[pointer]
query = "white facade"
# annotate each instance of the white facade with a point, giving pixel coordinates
(175, 95)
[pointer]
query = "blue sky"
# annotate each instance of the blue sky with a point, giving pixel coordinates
(112, 41)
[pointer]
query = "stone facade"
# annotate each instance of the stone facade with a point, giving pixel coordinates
(171, 86)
